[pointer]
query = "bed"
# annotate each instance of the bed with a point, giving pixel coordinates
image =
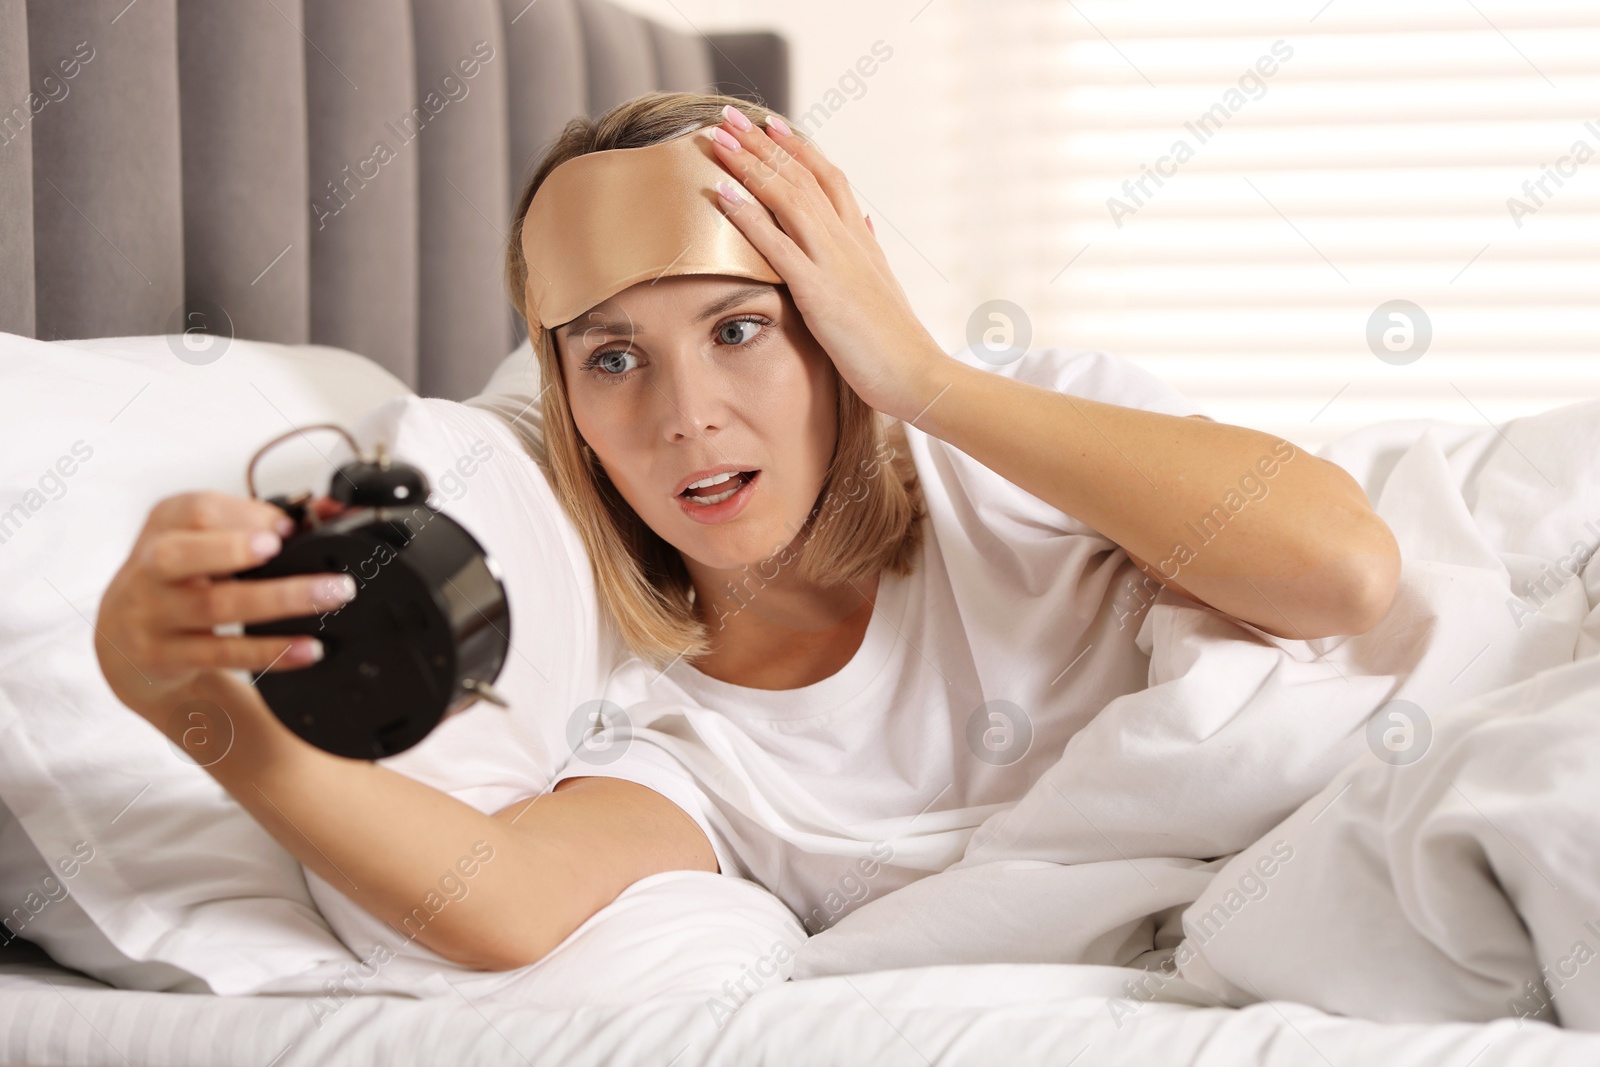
(168, 300)
(944, 1015)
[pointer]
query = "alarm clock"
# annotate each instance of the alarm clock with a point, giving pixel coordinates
(427, 633)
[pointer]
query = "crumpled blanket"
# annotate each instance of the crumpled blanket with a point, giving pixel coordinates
(1464, 885)
(1239, 730)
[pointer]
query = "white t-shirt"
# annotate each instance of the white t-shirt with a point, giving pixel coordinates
(1015, 628)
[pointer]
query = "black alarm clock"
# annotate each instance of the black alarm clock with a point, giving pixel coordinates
(429, 628)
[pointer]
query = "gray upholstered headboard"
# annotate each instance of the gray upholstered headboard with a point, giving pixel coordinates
(332, 171)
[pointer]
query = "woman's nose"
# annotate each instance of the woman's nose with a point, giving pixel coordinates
(692, 396)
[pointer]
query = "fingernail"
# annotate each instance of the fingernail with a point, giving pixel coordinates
(284, 526)
(308, 651)
(778, 125)
(726, 139)
(264, 544)
(332, 591)
(736, 118)
(729, 193)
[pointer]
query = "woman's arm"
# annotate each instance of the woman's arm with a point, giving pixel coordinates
(1233, 517)
(539, 868)
(396, 847)
(1307, 558)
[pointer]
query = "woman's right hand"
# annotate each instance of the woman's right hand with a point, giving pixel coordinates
(154, 636)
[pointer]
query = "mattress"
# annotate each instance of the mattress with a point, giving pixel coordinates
(968, 1014)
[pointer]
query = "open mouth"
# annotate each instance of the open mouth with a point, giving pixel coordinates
(718, 487)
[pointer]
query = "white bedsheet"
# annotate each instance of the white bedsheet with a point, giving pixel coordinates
(1238, 729)
(980, 1015)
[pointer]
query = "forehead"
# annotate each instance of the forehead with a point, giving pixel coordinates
(681, 300)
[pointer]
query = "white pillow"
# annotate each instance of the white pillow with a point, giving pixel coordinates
(39, 906)
(96, 432)
(513, 393)
(516, 376)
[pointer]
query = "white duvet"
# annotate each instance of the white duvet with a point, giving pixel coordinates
(1460, 860)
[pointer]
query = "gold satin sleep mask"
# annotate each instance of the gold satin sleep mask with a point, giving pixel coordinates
(603, 221)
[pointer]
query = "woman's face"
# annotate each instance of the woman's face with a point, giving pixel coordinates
(702, 378)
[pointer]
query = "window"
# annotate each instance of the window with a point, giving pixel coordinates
(1234, 195)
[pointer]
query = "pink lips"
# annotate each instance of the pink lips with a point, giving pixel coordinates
(709, 472)
(722, 511)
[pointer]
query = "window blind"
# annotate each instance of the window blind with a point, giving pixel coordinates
(1236, 197)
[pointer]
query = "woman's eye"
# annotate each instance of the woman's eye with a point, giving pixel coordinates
(738, 331)
(614, 362)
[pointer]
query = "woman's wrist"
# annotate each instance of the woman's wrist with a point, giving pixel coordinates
(926, 385)
(222, 723)
(916, 384)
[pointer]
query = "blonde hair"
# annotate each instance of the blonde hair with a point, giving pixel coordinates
(641, 580)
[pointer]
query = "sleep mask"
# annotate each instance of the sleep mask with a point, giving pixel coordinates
(604, 221)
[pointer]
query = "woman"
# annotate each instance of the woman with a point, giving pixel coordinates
(748, 517)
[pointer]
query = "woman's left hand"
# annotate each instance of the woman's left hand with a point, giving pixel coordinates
(829, 257)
